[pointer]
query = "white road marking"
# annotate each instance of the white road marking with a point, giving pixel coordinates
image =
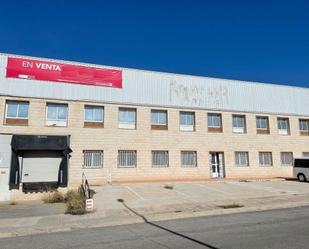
(214, 189)
(135, 193)
(185, 195)
(270, 189)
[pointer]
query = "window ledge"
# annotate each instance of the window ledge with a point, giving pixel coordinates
(88, 124)
(239, 130)
(127, 126)
(16, 121)
(304, 133)
(187, 128)
(284, 132)
(159, 127)
(215, 129)
(262, 131)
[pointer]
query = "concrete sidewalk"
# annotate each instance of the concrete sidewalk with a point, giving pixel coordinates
(154, 201)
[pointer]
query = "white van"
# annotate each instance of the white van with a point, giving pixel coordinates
(301, 169)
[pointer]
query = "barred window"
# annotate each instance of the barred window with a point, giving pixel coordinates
(242, 158)
(214, 120)
(93, 158)
(159, 159)
(188, 159)
(127, 158)
(286, 158)
(265, 159)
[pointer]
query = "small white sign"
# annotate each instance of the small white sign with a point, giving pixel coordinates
(89, 205)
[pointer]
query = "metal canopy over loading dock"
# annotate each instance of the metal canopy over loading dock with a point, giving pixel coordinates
(39, 161)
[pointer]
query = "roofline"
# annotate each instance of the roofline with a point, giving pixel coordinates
(159, 72)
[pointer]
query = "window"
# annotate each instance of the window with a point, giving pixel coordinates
(127, 118)
(187, 121)
(239, 123)
(17, 109)
(188, 159)
(93, 158)
(304, 126)
(94, 113)
(57, 114)
(94, 116)
(214, 122)
(16, 112)
(159, 159)
(265, 159)
(262, 125)
(286, 158)
(127, 158)
(158, 119)
(283, 126)
(242, 158)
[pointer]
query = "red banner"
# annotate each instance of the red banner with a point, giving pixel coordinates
(59, 72)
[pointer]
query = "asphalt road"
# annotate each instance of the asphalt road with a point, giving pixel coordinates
(285, 228)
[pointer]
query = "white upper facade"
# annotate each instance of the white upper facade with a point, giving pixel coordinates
(141, 87)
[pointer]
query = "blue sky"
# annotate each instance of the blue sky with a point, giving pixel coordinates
(266, 41)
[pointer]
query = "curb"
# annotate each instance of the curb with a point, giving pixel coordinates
(103, 221)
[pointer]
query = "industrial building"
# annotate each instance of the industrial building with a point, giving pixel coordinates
(61, 119)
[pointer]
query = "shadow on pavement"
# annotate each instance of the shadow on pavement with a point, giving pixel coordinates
(294, 180)
(166, 229)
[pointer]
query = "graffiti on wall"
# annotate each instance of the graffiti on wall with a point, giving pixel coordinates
(198, 95)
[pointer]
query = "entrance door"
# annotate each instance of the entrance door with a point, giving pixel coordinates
(5, 160)
(216, 164)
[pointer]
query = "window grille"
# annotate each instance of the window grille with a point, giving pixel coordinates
(126, 158)
(265, 158)
(242, 158)
(286, 158)
(93, 158)
(188, 159)
(160, 159)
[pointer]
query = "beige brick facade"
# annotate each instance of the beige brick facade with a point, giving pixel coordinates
(143, 139)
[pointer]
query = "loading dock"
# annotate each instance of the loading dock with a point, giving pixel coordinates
(39, 162)
(40, 166)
